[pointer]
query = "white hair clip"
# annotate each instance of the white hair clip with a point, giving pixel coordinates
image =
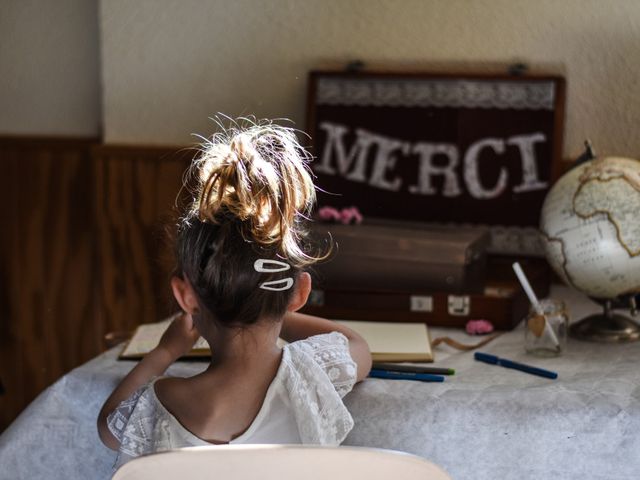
(262, 265)
(284, 284)
(265, 265)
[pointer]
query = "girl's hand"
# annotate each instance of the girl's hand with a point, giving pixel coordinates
(179, 338)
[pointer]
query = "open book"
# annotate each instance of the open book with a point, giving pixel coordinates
(394, 341)
(388, 341)
(147, 336)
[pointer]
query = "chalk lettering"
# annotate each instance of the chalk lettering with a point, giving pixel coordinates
(384, 153)
(335, 144)
(472, 172)
(530, 180)
(384, 160)
(426, 169)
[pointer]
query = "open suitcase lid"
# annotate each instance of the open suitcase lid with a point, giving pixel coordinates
(474, 150)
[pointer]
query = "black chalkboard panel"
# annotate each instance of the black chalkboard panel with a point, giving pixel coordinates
(471, 149)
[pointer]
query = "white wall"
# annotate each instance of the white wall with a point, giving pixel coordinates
(49, 67)
(167, 65)
(170, 64)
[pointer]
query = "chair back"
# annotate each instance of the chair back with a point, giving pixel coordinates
(280, 462)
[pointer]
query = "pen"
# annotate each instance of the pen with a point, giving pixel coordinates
(421, 377)
(394, 367)
(503, 362)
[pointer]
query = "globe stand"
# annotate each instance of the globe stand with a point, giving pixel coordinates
(607, 327)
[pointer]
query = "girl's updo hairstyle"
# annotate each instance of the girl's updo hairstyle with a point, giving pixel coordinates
(253, 194)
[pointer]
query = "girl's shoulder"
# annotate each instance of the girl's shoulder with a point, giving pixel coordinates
(326, 356)
(316, 373)
(143, 403)
(327, 339)
(143, 425)
(169, 392)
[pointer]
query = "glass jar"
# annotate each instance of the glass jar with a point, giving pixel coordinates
(546, 335)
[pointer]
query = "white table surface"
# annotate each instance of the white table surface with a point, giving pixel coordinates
(486, 422)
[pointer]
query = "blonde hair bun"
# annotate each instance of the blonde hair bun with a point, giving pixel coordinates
(258, 174)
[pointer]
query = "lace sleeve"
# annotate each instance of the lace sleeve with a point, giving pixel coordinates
(118, 419)
(331, 352)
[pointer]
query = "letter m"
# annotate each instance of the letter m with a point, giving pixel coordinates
(335, 153)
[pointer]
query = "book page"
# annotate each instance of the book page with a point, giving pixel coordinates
(388, 341)
(147, 337)
(394, 341)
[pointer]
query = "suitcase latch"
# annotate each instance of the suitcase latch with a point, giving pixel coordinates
(421, 303)
(458, 305)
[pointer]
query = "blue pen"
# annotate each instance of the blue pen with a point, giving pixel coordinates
(503, 362)
(422, 377)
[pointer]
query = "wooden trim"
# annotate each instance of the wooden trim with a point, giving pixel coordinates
(28, 142)
(557, 169)
(427, 74)
(123, 151)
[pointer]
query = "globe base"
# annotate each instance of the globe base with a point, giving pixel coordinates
(606, 328)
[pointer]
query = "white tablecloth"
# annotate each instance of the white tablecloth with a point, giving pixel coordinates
(486, 422)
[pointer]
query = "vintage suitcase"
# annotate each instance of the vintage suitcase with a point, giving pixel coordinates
(449, 151)
(404, 258)
(501, 301)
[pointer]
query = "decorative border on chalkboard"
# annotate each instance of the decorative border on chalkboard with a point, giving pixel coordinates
(455, 93)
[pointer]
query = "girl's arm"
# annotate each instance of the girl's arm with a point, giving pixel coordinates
(175, 342)
(297, 326)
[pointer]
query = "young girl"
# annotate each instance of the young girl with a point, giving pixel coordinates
(241, 254)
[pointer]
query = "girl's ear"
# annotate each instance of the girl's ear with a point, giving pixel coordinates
(184, 294)
(301, 293)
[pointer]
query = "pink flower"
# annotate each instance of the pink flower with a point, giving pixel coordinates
(346, 216)
(478, 327)
(350, 215)
(329, 214)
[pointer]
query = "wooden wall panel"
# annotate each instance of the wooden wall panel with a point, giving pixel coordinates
(46, 307)
(11, 361)
(83, 252)
(136, 196)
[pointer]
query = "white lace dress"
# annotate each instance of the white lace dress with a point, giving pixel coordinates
(303, 404)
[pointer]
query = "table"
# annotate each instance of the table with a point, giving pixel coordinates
(486, 422)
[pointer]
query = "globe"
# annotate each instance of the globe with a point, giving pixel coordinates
(590, 224)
